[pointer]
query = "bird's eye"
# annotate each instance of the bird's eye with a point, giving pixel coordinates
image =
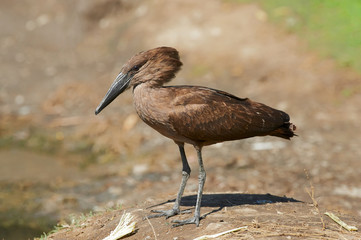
(135, 67)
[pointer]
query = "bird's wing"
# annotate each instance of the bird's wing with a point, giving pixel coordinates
(205, 114)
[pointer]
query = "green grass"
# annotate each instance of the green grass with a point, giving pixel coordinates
(332, 27)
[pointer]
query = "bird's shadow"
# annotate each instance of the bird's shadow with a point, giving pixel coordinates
(221, 200)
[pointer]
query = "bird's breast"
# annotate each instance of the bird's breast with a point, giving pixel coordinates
(152, 106)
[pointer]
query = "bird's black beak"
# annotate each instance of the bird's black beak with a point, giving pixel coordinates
(120, 84)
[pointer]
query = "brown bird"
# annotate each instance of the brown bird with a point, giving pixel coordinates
(196, 115)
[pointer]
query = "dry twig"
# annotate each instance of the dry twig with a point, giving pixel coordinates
(311, 193)
(155, 235)
(340, 222)
(220, 234)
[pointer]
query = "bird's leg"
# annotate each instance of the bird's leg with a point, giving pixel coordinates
(186, 170)
(201, 178)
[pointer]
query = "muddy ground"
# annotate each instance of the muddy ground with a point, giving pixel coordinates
(58, 59)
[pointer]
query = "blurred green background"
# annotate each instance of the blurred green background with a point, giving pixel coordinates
(331, 27)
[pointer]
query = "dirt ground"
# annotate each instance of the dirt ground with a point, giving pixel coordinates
(58, 59)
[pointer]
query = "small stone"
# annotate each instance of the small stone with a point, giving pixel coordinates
(42, 19)
(214, 226)
(30, 25)
(19, 99)
(139, 169)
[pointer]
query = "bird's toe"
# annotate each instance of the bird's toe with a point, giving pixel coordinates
(167, 213)
(193, 220)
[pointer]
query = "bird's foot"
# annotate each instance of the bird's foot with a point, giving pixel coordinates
(167, 213)
(193, 220)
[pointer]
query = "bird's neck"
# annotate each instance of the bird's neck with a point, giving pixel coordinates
(148, 101)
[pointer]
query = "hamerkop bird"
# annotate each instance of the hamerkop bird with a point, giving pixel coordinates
(196, 115)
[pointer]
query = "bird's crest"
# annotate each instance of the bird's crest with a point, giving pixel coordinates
(156, 66)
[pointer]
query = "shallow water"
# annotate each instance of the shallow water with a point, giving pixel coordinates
(37, 190)
(21, 232)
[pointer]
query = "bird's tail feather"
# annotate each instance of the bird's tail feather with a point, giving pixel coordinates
(287, 130)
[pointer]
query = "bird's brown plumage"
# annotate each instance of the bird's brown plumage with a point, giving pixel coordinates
(203, 116)
(213, 116)
(191, 114)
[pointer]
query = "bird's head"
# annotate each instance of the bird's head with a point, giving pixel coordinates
(155, 67)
